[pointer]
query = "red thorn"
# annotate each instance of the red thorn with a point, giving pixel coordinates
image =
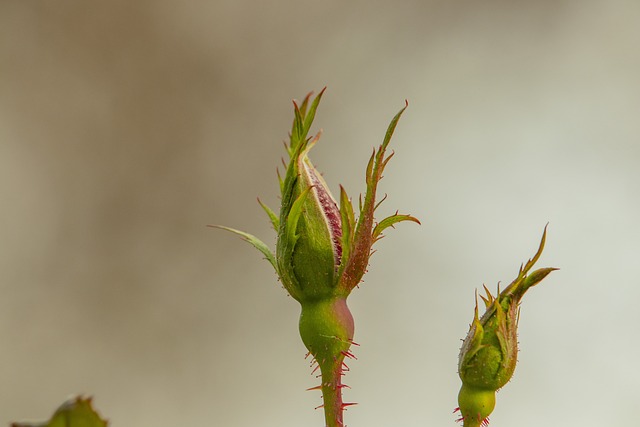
(318, 387)
(461, 419)
(344, 405)
(315, 369)
(354, 343)
(318, 407)
(348, 354)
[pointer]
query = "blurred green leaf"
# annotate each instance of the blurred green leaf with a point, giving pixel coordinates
(75, 412)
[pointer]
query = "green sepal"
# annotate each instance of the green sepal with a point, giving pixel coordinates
(389, 222)
(280, 180)
(287, 239)
(308, 119)
(471, 347)
(302, 121)
(296, 149)
(536, 277)
(369, 178)
(348, 223)
(297, 133)
(535, 258)
(275, 221)
(257, 243)
(363, 238)
(294, 217)
(516, 289)
(392, 127)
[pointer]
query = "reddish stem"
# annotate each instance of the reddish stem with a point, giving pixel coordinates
(332, 393)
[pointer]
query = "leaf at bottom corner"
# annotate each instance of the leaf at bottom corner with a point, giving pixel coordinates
(75, 412)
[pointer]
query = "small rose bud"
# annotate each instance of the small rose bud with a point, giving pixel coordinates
(322, 250)
(489, 352)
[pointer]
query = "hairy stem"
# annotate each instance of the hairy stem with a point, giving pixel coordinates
(326, 328)
(332, 393)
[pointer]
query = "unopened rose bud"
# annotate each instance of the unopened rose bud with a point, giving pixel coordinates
(322, 250)
(489, 353)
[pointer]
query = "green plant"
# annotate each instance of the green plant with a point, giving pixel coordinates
(489, 352)
(322, 251)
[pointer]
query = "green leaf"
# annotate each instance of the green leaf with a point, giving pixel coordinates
(389, 222)
(257, 243)
(76, 412)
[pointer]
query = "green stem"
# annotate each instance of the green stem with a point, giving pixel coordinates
(332, 393)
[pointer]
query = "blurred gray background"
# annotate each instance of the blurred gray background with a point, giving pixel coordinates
(127, 126)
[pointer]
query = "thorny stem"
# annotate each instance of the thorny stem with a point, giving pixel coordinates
(326, 328)
(332, 393)
(322, 251)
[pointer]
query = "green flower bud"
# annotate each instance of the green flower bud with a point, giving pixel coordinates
(322, 250)
(308, 245)
(489, 352)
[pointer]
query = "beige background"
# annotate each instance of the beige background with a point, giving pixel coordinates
(127, 126)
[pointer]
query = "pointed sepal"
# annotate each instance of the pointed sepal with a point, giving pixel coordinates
(389, 222)
(253, 240)
(365, 235)
(275, 221)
